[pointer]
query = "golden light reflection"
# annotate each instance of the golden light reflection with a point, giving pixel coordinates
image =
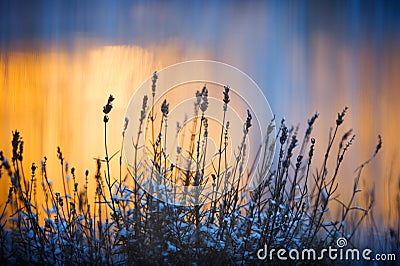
(55, 98)
(370, 88)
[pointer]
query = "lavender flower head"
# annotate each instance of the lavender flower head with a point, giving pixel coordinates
(125, 126)
(144, 107)
(198, 98)
(204, 96)
(165, 108)
(226, 96)
(154, 80)
(248, 122)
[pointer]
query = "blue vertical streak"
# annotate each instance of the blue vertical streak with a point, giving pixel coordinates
(55, 18)
(196, 15)
(378, 52)
(45, 31)
(300, 36)
(377, 68)
(354, 42)
(274, 57)
(4, 26)
(219, 22)
(110, 17)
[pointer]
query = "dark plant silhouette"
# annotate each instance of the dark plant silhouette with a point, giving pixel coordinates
(126, 225)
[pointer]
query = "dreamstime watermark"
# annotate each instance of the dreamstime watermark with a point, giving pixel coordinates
(165, 141)
(332, 253)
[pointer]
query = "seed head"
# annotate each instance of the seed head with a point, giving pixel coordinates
(204, 97)
(379, 146)
(248, 121)
(107, 108)
(33, 168)
(226, 95)
(198, 97)
(17, 146)
(154, 80)
(125, 126)
(165, 108)
(59, 155)
(284, 134)
(311, 122)
(341, 115)
(144, 107)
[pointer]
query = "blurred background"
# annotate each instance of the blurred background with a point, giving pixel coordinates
(59, 61)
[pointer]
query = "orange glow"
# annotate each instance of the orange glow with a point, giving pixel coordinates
(55, 99)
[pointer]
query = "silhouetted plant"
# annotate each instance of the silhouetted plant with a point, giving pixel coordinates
(126, 225)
